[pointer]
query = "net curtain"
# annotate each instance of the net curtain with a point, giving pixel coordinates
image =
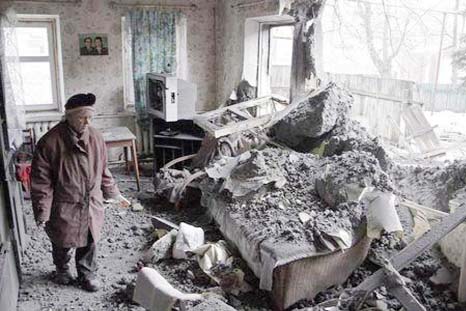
(12, 82)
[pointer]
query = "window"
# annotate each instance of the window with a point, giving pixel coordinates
(268, 50)
(280, 56)
(39, 61)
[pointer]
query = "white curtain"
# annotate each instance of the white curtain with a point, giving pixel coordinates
(128, 89)
(181, 48)
(12, 81)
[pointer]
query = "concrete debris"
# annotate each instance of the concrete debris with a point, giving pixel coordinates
(344, 180)
(443, 276)
(161, 249)
(278, 210)
(433, 186)
(310, 119)
(335, 185)
(188, 239)
(136, 207)
(155, 293)
(351, 136)
(212, 304)
(246, 173)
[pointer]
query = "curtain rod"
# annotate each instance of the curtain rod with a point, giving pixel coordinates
(114, 4)
(47, 1)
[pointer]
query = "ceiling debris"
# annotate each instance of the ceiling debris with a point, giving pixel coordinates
(314, 201)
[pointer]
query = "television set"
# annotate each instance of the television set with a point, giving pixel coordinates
(170, 98)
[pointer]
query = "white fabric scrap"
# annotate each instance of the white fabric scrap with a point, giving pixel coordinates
(154, 293)
(187, 239)
(211, 254)
(381, 213)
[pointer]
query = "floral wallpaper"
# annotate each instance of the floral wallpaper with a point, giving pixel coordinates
(103, 75)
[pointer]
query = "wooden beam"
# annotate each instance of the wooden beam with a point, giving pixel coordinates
(462, 284)
(413, 205)
(415, 249)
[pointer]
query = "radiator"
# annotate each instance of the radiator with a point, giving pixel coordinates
(143, 136)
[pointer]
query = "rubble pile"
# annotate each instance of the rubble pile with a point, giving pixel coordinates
(313, 117)
(321, 124)
(312, 192)
(307, 181)
(432, 186)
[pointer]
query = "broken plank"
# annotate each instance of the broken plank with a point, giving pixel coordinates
(462, 284)
(407, 299)
(416, 248)
(260, 117)
(240, 113)
(413, 205)
(422, 132)
(161, 223)
(242, 126)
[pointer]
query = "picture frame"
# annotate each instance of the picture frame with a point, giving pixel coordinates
(93, 44)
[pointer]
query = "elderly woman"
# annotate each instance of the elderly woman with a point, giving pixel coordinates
(70, 179)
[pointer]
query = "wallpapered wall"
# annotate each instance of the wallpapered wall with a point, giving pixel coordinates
(230, 40)
(102, 75)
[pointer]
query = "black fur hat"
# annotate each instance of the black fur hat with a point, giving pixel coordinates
(80, 100)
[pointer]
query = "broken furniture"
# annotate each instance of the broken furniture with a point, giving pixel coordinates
(122, 137)
(389, 275)
(451, 243)
(297, 274)
(240, 117)
(172, 140)
(421, 131)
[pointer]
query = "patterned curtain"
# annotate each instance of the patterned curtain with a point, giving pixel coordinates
(12, 81)
(153, 41)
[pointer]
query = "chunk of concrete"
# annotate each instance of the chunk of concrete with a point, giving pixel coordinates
(311, 118)
(154, 293)
(213, 304)
(161, 249)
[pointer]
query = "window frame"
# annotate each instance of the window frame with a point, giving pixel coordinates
(52, 23)
(264, 63)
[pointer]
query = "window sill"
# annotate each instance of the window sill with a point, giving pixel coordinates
(46, 116)
(43, 116)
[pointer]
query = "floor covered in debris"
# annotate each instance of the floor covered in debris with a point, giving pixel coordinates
(309, 191)
(127, 234)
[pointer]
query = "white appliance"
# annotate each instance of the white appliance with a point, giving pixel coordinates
(170, 98)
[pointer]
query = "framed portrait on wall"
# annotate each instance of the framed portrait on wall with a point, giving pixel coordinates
(93, 44)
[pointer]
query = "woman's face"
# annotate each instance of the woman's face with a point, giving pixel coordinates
(98, 43)
(80, 121)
